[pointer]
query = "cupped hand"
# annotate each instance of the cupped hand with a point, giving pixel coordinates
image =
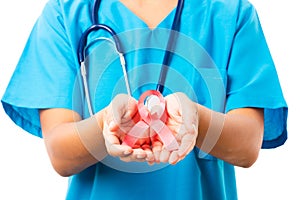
(183, 122)
(120, 117)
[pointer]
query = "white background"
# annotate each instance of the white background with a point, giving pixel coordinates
(26, 172)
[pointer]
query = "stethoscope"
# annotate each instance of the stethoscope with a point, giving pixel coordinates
(118, 47)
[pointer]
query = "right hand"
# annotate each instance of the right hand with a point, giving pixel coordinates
(120, 116)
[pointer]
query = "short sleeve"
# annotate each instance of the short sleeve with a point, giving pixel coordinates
(45, 74)
(252, 77)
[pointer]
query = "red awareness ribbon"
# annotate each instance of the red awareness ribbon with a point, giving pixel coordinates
(153, 117)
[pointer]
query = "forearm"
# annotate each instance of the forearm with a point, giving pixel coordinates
(234, 137)
(74, 145)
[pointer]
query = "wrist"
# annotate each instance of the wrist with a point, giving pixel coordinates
(99, 117)
(204, 118)
(211, 125)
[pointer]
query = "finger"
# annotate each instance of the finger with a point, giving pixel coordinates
(113, 126)
(164, 155)
(185, 148)
(111, 121)
(138, 155)
(122, 109)
(119, 150)
(130, 109)
(174, 158)
(150, 156)
(186, 110)
(187, 144)
(177, 161)
(151, 163)
(156, 149)
(173, 106)
(110, 137)
(190, 117)
(112, 143)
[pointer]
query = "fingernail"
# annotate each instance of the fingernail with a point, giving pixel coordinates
(111, 125)
(150, 158)
(140, 156)
(150, 163)
(127, 152)
(173, 159)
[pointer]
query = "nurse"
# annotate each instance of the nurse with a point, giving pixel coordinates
(223, 97)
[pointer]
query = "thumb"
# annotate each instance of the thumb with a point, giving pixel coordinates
(122, 108)
(189, 113)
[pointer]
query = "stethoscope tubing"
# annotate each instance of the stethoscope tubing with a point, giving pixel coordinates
(170, 47)
(96, 7)
(97, 26)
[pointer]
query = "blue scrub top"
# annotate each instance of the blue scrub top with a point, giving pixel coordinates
(221, 60)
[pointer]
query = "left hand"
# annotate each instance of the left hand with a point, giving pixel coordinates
(183, 122)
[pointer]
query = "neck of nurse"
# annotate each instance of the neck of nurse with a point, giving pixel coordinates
(151, 12)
